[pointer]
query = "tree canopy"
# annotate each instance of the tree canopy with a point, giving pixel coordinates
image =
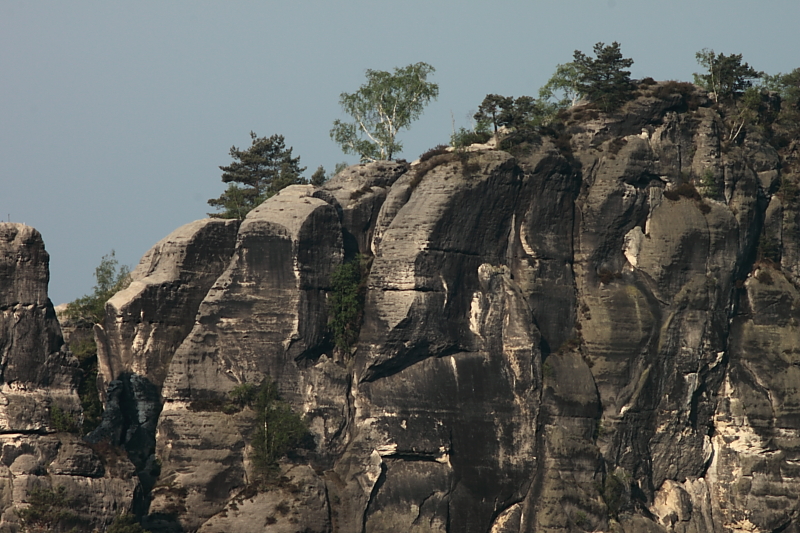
(111, 278)
(497, 110)
(561, 90)
(725, 76)
(604, 80)
(786, 85)
(255, 175)
(385, 104)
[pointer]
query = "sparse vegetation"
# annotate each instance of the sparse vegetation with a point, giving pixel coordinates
(63, 421)
(126, 523)
(464, 137)
(615, 490)
(319, 177)
(769, 250)
(110, 278)
(686, 90)
(436, 150)
(278, 430)
(708, 183)
(346, 302)
(51, 510)
(86, 353)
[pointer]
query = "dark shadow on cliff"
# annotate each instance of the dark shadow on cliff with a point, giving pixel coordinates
(130, 417)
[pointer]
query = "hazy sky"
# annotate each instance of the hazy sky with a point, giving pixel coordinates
(115, 116)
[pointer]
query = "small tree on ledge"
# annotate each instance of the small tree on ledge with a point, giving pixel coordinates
(256, 174)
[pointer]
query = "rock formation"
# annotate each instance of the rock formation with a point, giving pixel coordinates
(39, 403)
(593, 330)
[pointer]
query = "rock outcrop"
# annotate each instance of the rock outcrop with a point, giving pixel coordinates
(593, 330)
(39, 403)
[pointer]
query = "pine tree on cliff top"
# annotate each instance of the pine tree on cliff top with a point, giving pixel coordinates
(256, 174)
(604, 80)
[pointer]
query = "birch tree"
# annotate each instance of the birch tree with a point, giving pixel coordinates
(725, 76)
(385, 104)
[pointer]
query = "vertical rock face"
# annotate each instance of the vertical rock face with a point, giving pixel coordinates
(572, 338)
(594, 331)
(446, 370)
(39, 401)
(146, 322)
(359, 192)
(31, 338)
(264, 317)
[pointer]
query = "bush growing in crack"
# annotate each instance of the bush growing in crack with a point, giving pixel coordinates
(346, 302)
(279, 430)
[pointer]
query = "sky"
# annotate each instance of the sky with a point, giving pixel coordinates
(115, 116)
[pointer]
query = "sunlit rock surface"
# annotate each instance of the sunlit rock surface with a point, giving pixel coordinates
(595, 330)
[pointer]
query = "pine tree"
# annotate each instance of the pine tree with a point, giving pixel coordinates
(604, 80)
(255, 175)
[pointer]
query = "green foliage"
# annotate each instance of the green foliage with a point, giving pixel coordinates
(111, 278)
(725, 76)
(506, 111)
(786, 85)
(615, 491)
(604, 80)
(439, 149)
(256, 174)
(86, 353)
(491, 110)
(91, 404)
(709, 183)
(769, 250)
(581, 520)
(63, 421)
(50, 510)
(385, 104)
(243, 394)
(562, 90)
(126, 523)
(788, 120)
(464, 137)
(319, 177)
(346, 302)
(339, 167)
(278, 429)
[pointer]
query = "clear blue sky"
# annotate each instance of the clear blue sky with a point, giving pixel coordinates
(114, 116)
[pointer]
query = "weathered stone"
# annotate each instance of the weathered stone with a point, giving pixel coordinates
(146, 322)
(360, 191)
(297, 503)
(448, 381)
(265, 316)
(598, 333)
(39, 375)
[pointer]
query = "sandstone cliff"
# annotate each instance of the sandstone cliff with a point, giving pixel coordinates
(594, 330)
(39, 401)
